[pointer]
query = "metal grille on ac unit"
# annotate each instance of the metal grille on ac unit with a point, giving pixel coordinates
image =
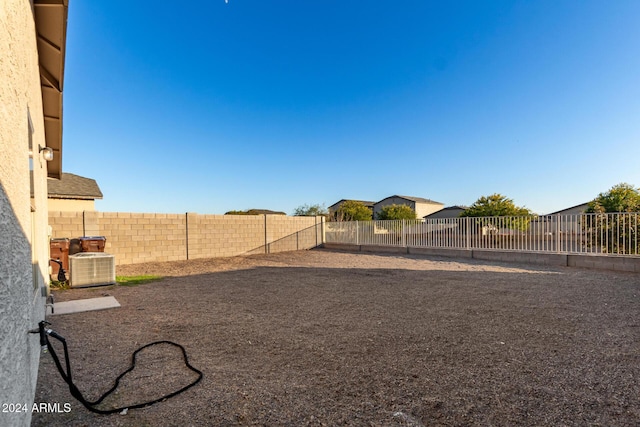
(92, 269)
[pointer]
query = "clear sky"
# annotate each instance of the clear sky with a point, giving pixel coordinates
(206, 106)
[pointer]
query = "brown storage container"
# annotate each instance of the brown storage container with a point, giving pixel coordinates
(92, 244)
(59, 250)
(74, 247)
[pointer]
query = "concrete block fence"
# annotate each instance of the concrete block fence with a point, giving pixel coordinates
(156, 237)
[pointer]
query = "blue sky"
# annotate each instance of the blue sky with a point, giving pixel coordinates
(207, 106)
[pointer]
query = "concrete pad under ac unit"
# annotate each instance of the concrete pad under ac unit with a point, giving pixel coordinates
(78, 306)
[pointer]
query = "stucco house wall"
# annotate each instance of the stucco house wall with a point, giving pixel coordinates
(24, 250)
(71, 205)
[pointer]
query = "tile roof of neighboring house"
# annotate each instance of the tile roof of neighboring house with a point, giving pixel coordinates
(414, 199)
(72, 186)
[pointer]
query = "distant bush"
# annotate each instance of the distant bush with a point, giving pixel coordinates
(499, 205)
(255, 212)
(620, 198)
(352, 210)
(615, 233)
(494, 205)
(311, 210)
(396, 212)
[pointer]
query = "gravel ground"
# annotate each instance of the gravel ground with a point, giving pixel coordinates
(328, 338)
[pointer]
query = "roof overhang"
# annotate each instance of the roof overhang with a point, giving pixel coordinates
(67, 197)
(51, 28)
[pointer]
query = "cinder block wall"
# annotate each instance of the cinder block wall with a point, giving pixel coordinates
(65, 224)
(286, 235)
(151, 237)
(140, 237)
(225, 235)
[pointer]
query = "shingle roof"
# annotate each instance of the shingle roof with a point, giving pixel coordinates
(444, 212)
(72, 186)
(584, 206)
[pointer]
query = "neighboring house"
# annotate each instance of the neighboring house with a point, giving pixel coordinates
(448, 212)
(333, 209)
(574, 210)
(420, 206)
(32, 49)
(565, 221)
(73, 193)
(569, 220)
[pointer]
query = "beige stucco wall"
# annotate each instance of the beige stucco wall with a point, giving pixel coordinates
(71, 205)
(22, 304)
(146, 237)
(424, 209)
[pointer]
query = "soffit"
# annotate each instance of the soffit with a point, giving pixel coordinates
(51, 28)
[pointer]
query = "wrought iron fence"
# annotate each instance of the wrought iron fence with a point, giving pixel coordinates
(608, 233)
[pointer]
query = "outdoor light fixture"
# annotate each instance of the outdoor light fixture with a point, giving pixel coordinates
(48, 152)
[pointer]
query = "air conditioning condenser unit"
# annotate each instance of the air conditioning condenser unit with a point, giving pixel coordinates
(91, 269)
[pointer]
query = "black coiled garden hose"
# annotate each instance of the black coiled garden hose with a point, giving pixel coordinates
(75, 392)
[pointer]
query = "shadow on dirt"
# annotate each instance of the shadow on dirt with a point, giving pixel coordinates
(322, 345)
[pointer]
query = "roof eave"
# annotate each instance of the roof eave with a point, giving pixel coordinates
(51, 27)
(72, 197)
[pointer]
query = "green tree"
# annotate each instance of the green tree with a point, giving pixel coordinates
(352, 210)
(494, 205)
(499, 205)
(396, 212)
(620, 198)
(310, 210)
(614, 227)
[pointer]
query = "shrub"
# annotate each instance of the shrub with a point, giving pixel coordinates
(255, 212)
(396, 212)
(352, 210)
(499, 205)
(614, 233)
(310, 210)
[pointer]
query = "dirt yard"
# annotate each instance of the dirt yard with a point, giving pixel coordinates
(326, 338)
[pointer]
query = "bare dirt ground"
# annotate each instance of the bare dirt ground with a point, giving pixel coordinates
(327, 338)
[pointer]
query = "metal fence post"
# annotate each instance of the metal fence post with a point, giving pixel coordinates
(266, 247)
(607, 233)
(186, 233)
(558, 248)
(468, 230)
(404, 237)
